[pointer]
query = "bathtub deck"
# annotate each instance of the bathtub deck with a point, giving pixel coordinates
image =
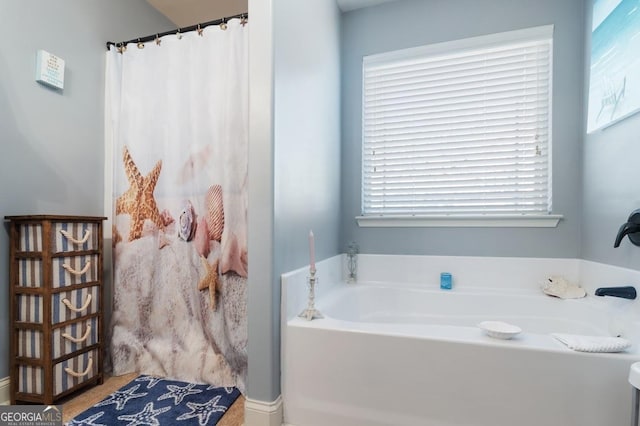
(467, 335)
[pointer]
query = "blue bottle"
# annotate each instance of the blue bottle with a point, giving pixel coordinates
(445, 281)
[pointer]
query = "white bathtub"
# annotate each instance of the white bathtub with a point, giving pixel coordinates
(392, 306)
(410, 354)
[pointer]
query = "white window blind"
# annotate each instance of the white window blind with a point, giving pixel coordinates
(459, 128)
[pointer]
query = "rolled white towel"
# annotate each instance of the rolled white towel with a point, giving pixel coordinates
(592, 343)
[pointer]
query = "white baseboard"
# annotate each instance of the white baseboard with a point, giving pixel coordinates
(261, 413)
(5, 396)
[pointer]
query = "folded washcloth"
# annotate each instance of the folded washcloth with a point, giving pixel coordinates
(593, 343)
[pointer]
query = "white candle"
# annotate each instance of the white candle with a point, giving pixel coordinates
(312, 252)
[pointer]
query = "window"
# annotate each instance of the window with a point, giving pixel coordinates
(460, 130)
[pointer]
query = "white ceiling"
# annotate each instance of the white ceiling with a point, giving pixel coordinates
(184, 13)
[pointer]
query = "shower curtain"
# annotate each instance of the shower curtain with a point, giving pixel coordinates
(177, 120)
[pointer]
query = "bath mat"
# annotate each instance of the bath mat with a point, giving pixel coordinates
(152, 400)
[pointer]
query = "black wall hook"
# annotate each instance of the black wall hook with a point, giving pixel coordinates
(631, 228)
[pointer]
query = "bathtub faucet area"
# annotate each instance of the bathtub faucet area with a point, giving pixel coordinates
(631, 228)
(352, 261)
(626, 292)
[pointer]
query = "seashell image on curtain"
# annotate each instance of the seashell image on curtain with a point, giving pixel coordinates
(177, 119)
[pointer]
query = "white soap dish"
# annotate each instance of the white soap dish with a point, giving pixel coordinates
(499, 329)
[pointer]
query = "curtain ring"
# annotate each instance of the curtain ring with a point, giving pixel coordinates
(158, 40)
(243, 20)
(140, 44)
(199, 30)
(122, 48)
(223, 25)
(178, 34)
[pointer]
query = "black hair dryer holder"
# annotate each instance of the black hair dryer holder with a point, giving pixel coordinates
(631, 228)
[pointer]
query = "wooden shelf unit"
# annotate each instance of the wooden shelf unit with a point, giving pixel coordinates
(56, 306)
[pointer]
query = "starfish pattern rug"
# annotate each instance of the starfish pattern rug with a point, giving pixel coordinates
(149, 400)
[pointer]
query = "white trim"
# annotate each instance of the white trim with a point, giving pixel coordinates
(261, 413)
(507, 221)
(523, 35)
(5, 395)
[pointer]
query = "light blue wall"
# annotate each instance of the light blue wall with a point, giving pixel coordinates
(306, 165)
(611, 182)
(307, 130)
(409, 23)
(52, 143)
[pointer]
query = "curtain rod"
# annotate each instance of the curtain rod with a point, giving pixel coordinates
(178, 30)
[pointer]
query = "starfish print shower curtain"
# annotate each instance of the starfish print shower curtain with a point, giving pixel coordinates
(176, 117)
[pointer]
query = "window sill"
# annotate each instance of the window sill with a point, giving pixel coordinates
(435, 221)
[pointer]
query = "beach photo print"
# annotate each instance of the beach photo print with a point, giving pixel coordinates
(614, 86)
